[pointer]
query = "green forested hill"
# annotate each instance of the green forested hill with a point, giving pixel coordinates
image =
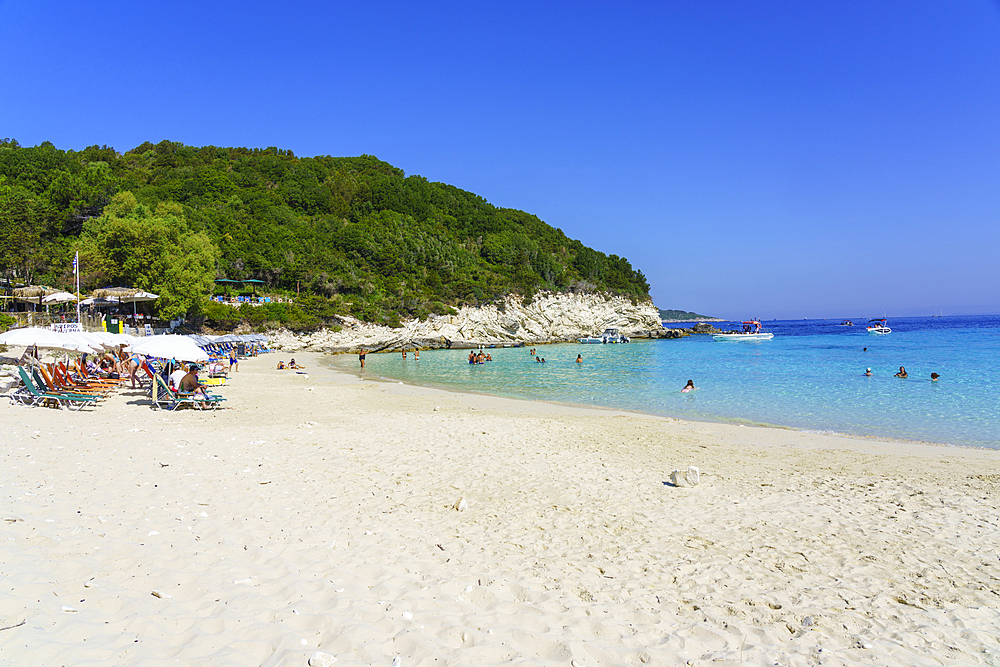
(355, 232)
(683, 316)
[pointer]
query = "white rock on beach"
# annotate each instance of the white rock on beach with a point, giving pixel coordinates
(320, 659)
(684, 478)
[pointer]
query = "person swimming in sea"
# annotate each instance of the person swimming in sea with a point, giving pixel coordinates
(579, 358)
(901, 373)
(472, 357)
(868, 372)
(688, 387)
(935, 377)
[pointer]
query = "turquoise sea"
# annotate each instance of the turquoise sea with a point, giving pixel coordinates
(809, 376)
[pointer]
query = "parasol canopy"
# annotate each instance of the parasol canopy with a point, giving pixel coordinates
(45, 338)
(167, 346)
(32, 291)
(140, 296)
(57, 298)
(116, 293)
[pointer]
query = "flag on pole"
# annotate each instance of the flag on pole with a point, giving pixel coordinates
(76, 262)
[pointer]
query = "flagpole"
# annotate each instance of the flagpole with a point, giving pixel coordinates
(76, 272)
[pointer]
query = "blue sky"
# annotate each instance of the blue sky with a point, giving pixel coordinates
(771, 159)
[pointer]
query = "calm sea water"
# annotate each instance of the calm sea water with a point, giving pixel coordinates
(809, 376)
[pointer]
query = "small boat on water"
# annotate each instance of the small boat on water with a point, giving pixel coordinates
(609, 336)
(847, 323)
(878, 326)
(751, 331)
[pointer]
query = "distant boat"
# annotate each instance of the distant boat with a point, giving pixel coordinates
(847, 323)
(609, 336)
(751, 331)
(878, 326)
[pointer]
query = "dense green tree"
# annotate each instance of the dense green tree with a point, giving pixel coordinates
(21, 228)
(150, 249)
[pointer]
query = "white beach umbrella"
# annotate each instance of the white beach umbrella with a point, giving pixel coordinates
(57, 298)
(94, 338)
(140, 296)
(106, 338)
(169, 346)
(84, 340)
(44, 338)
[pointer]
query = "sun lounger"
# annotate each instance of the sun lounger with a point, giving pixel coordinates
(44, 382)
(54, 383)
(30, 394)
(64, 376)
(165, 398)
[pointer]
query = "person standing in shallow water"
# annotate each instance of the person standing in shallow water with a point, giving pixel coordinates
(361, 357)
(579, 358)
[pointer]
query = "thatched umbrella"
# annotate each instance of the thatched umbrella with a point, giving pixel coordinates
(115, 292)
(33, 291)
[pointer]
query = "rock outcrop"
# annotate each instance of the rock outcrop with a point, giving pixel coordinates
(704, 328)
(548, 318)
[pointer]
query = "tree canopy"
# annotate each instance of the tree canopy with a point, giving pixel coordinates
(355, 231)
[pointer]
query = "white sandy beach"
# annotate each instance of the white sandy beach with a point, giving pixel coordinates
(318, 513)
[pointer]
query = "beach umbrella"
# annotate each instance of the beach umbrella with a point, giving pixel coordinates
(58, 297)
(33, 292)
(140, 296)
(116, 293)
(84, 341)
(169, 346)
(44, 338)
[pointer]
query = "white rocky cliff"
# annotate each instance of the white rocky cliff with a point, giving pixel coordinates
(548, 318)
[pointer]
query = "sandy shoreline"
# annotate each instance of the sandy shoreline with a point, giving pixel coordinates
(318, 514)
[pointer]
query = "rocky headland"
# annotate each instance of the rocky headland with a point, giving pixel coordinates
(547, 318)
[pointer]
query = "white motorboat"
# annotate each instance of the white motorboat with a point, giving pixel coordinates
(609, 336)
(878, 326)
(751, 331)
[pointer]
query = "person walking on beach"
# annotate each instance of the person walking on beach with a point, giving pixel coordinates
(361, 356)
